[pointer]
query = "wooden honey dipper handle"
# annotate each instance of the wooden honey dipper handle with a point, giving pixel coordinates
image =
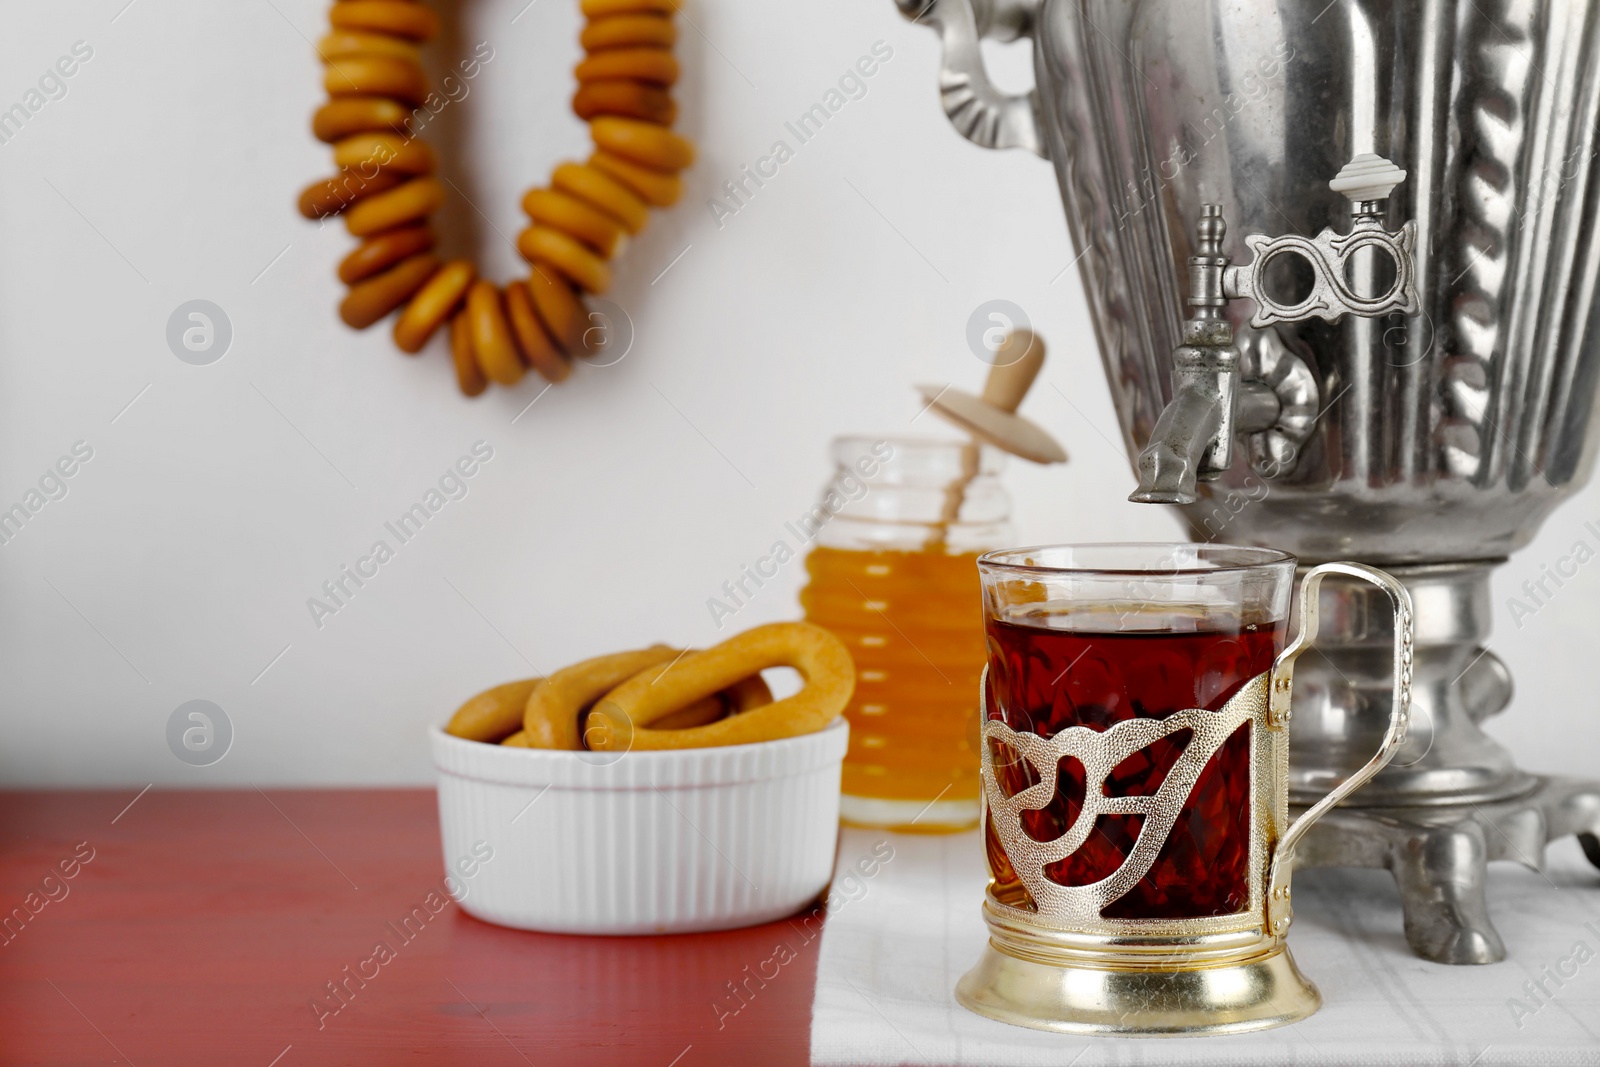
(1016, 364)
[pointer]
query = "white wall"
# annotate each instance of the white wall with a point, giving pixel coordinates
(179, 563)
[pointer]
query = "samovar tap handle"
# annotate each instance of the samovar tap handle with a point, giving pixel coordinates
(980, 112)
(1367, 180)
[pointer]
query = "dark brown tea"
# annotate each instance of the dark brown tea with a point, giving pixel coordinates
(1045, 678)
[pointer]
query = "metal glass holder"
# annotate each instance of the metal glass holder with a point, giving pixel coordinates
(1060, 965)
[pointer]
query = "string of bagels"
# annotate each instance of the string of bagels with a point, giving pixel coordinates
(386, 191)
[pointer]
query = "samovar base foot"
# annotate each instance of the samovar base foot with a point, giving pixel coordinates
(1439, 857)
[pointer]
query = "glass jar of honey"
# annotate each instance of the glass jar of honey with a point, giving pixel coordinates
(893, 573)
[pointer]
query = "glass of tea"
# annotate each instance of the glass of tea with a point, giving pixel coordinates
(1134, 771)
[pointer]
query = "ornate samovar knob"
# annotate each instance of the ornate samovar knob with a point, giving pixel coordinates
(1212, 403)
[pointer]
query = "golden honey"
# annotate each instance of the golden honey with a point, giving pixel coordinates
(913, 621)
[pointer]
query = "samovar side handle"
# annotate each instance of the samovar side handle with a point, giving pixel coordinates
(980, 112)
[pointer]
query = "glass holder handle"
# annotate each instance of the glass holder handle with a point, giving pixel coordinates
(1278, 714)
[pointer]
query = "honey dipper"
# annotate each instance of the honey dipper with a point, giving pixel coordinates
(992, 418)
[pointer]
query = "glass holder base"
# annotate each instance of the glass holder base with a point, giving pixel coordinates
(1236, 997)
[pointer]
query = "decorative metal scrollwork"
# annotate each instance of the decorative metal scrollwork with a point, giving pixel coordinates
(1100, 751)
(1367, 180)
(1329, 254)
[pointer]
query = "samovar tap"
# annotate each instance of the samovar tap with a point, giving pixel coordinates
(1212, 402)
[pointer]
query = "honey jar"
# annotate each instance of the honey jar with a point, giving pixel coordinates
(893, 573)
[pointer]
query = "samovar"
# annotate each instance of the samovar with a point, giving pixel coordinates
(1431, 441)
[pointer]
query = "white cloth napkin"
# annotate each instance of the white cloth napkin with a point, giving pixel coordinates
(899, 937)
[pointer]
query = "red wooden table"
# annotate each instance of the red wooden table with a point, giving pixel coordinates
(205, 927)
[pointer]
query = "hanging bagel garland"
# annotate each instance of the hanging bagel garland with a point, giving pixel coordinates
(386, 191)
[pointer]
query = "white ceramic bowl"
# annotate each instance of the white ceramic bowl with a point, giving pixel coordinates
(644, 842)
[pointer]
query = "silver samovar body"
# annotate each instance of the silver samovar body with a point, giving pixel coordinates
(1431, 443)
